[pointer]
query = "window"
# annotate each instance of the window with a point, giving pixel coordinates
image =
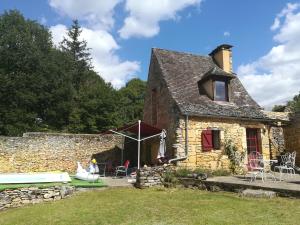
(221, 91)
(154, 106)
(210, 140)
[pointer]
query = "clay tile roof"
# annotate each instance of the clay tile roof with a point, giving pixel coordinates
(182, 72)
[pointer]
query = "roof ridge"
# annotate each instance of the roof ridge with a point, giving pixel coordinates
(181, 52)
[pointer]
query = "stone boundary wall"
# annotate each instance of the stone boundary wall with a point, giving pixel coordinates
(36, 152)
(33, 195)
(292, 136)
(150, 176)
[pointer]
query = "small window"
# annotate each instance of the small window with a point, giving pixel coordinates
(210, 140)
(221, 91)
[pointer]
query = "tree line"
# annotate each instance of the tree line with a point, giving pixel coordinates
(45, 88)
(291, 106)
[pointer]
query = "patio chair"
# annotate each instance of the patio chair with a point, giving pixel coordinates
(255, 166)
(102, 169)
(287, 164)
(123, 169)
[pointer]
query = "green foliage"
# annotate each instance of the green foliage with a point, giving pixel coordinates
(220, 172)
(170, 178)
(24, 49)
(278, 108)
(132, 100)
(294, 105)
(235, 156)
(43, 88)
(185, 172)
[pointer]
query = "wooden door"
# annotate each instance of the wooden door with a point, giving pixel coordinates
(252, 140)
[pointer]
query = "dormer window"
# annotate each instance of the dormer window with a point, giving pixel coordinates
(220, 91)
(215, 84)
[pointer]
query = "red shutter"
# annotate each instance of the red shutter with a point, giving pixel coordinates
(207, 143)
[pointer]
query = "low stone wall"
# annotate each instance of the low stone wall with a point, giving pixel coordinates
(33, 195)
(36, 152)
(151, 176)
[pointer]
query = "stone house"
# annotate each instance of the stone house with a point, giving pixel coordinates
(202, 104)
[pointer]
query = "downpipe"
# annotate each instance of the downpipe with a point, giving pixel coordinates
(186, 143)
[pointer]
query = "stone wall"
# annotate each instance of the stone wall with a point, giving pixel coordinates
(49, 152)
(33, 195)
(277, 142)
(234, 130)
(292, 136)
(150, 176)
(167, 110)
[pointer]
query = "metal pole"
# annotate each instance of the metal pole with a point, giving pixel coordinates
(122, 151)
(139, 144)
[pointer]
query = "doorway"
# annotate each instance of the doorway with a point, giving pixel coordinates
(252, 140)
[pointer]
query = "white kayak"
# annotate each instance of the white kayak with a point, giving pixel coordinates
(42, 177)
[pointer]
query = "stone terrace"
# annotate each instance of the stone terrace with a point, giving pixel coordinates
(288, 187)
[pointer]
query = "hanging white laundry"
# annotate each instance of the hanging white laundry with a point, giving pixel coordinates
(162, 145)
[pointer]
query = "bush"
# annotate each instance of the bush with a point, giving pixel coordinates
(221, 172)
(183, 172)
(169, 177)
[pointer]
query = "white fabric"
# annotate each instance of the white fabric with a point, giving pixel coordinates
(162, 145)
(93, 168)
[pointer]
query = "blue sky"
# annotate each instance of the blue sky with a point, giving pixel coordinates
(122, 32)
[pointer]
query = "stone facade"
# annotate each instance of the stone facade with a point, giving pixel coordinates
(33, 195)
(277, 142)
(292, 136)
(234, 130)
(50, 152)
(165, 106)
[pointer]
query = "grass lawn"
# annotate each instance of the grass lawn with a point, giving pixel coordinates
(156, 206)
(74, 182)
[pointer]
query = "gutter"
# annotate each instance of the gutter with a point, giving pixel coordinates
(186, 143)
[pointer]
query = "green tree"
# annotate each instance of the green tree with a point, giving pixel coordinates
(132, 100)
(78, 51)
(278, 108)
(294, 105)
(47, 89)
(24, 47)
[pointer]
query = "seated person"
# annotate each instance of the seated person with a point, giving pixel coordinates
(93, 167)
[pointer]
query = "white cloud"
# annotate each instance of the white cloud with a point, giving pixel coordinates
(145, 15)
(275, 77)
(98, 13)
(226, 34)
(103, 51)
(43, 20)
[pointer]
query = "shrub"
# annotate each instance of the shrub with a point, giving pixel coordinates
(183, 172)
(221, 172)
(169, 177)
(235, 156)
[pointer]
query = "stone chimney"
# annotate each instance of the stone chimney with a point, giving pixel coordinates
(223, 57)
